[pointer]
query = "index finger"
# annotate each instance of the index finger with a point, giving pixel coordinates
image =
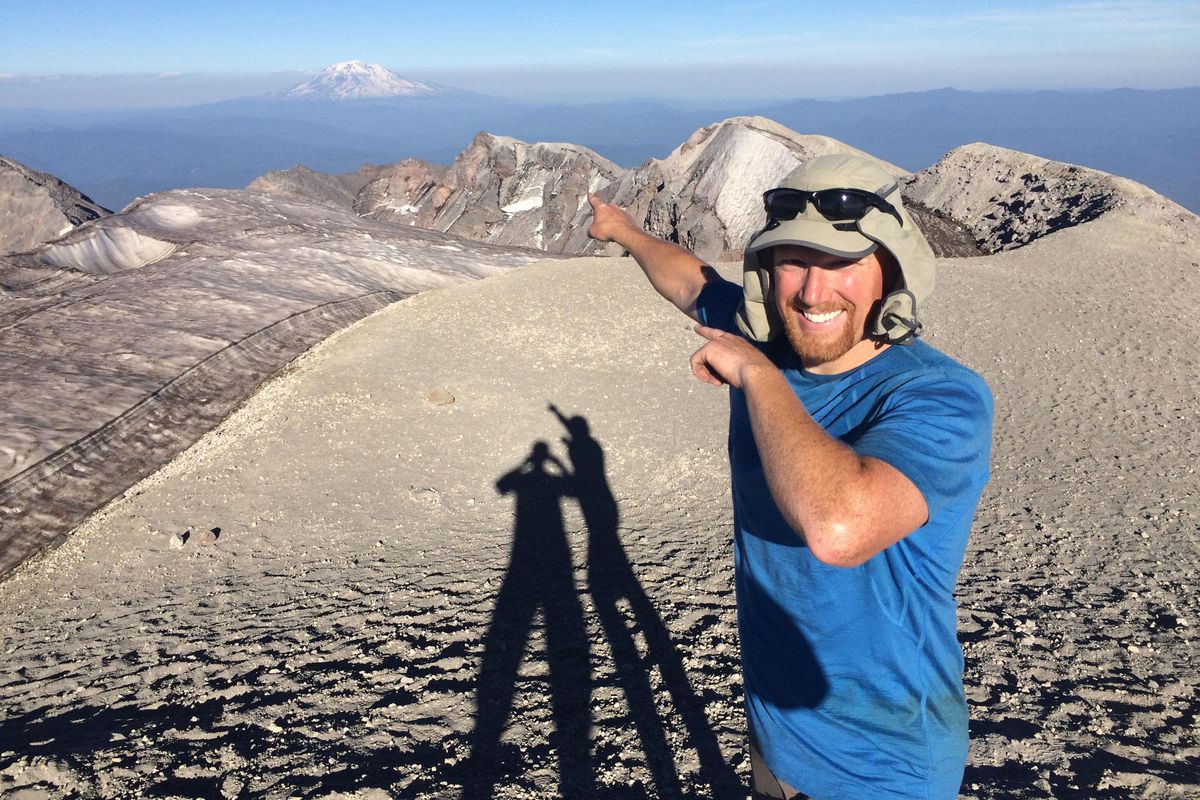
(707, 332)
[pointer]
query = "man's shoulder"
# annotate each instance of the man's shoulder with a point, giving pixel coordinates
(921, 367)
(923, 359)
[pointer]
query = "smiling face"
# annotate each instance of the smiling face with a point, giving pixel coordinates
(826, 303)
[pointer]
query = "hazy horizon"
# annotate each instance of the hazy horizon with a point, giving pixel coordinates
(134, 92)
(76, 55)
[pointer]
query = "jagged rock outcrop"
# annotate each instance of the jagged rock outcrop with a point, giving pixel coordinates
(411, 192)
(301, 182)
(500, 190)
(36, 207)
(704, 195)
(707, 194)
(1008, 199)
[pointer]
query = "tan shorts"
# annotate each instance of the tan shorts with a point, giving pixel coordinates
(765, 785)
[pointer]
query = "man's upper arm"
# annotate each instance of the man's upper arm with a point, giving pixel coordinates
(937, 433)
(716, 302)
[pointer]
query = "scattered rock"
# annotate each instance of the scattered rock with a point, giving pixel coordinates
(440, 397)
(208, 536)
(179, 539)
(232, 787)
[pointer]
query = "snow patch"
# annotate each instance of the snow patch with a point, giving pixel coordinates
(406, 208)
(525, 203)
(172, 217)
(108, 250)
(751, 161)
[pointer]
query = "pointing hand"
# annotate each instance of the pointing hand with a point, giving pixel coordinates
(725, 359)
(609, 222)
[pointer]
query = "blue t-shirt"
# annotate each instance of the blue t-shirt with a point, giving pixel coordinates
(853, 676)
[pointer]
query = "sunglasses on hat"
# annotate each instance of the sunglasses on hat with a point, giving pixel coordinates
(832, 204)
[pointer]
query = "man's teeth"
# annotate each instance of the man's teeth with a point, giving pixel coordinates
(812, 317)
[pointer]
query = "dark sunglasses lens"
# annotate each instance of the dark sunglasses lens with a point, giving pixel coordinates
(841, 204)
(833, 204)
(785, 203)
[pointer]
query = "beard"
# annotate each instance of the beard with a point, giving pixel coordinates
(815, 349)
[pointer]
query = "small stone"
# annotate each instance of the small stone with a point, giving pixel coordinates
(232, 787)
(440, 397)
(177, 540)
(207, 536)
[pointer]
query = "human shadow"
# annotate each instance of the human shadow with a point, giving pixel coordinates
(611, 582)
(539, 580)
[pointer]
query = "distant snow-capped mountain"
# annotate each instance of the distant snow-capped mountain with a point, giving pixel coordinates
(355, 80)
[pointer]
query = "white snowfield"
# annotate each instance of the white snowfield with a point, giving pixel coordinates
(152, 324)
(108, 249)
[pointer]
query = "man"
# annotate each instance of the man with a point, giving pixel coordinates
(858, 454)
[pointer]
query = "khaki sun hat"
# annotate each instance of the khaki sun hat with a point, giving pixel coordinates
(896, 321)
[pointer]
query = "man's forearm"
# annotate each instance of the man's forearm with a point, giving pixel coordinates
(846, 507)
(674, 272)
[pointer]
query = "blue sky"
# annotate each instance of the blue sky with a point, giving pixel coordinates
(169, 52)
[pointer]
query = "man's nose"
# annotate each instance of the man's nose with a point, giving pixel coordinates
(816, 285)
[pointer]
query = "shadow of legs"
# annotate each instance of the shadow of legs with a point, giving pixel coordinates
(540, 577)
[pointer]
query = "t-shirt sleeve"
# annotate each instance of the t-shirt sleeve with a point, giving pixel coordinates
(937, 431)
(718, 303)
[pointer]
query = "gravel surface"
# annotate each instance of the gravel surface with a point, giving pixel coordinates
(422, 582)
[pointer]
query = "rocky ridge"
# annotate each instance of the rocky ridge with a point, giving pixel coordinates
(1007, 199)
(977, 199)
(36, 207)
(704, 194)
